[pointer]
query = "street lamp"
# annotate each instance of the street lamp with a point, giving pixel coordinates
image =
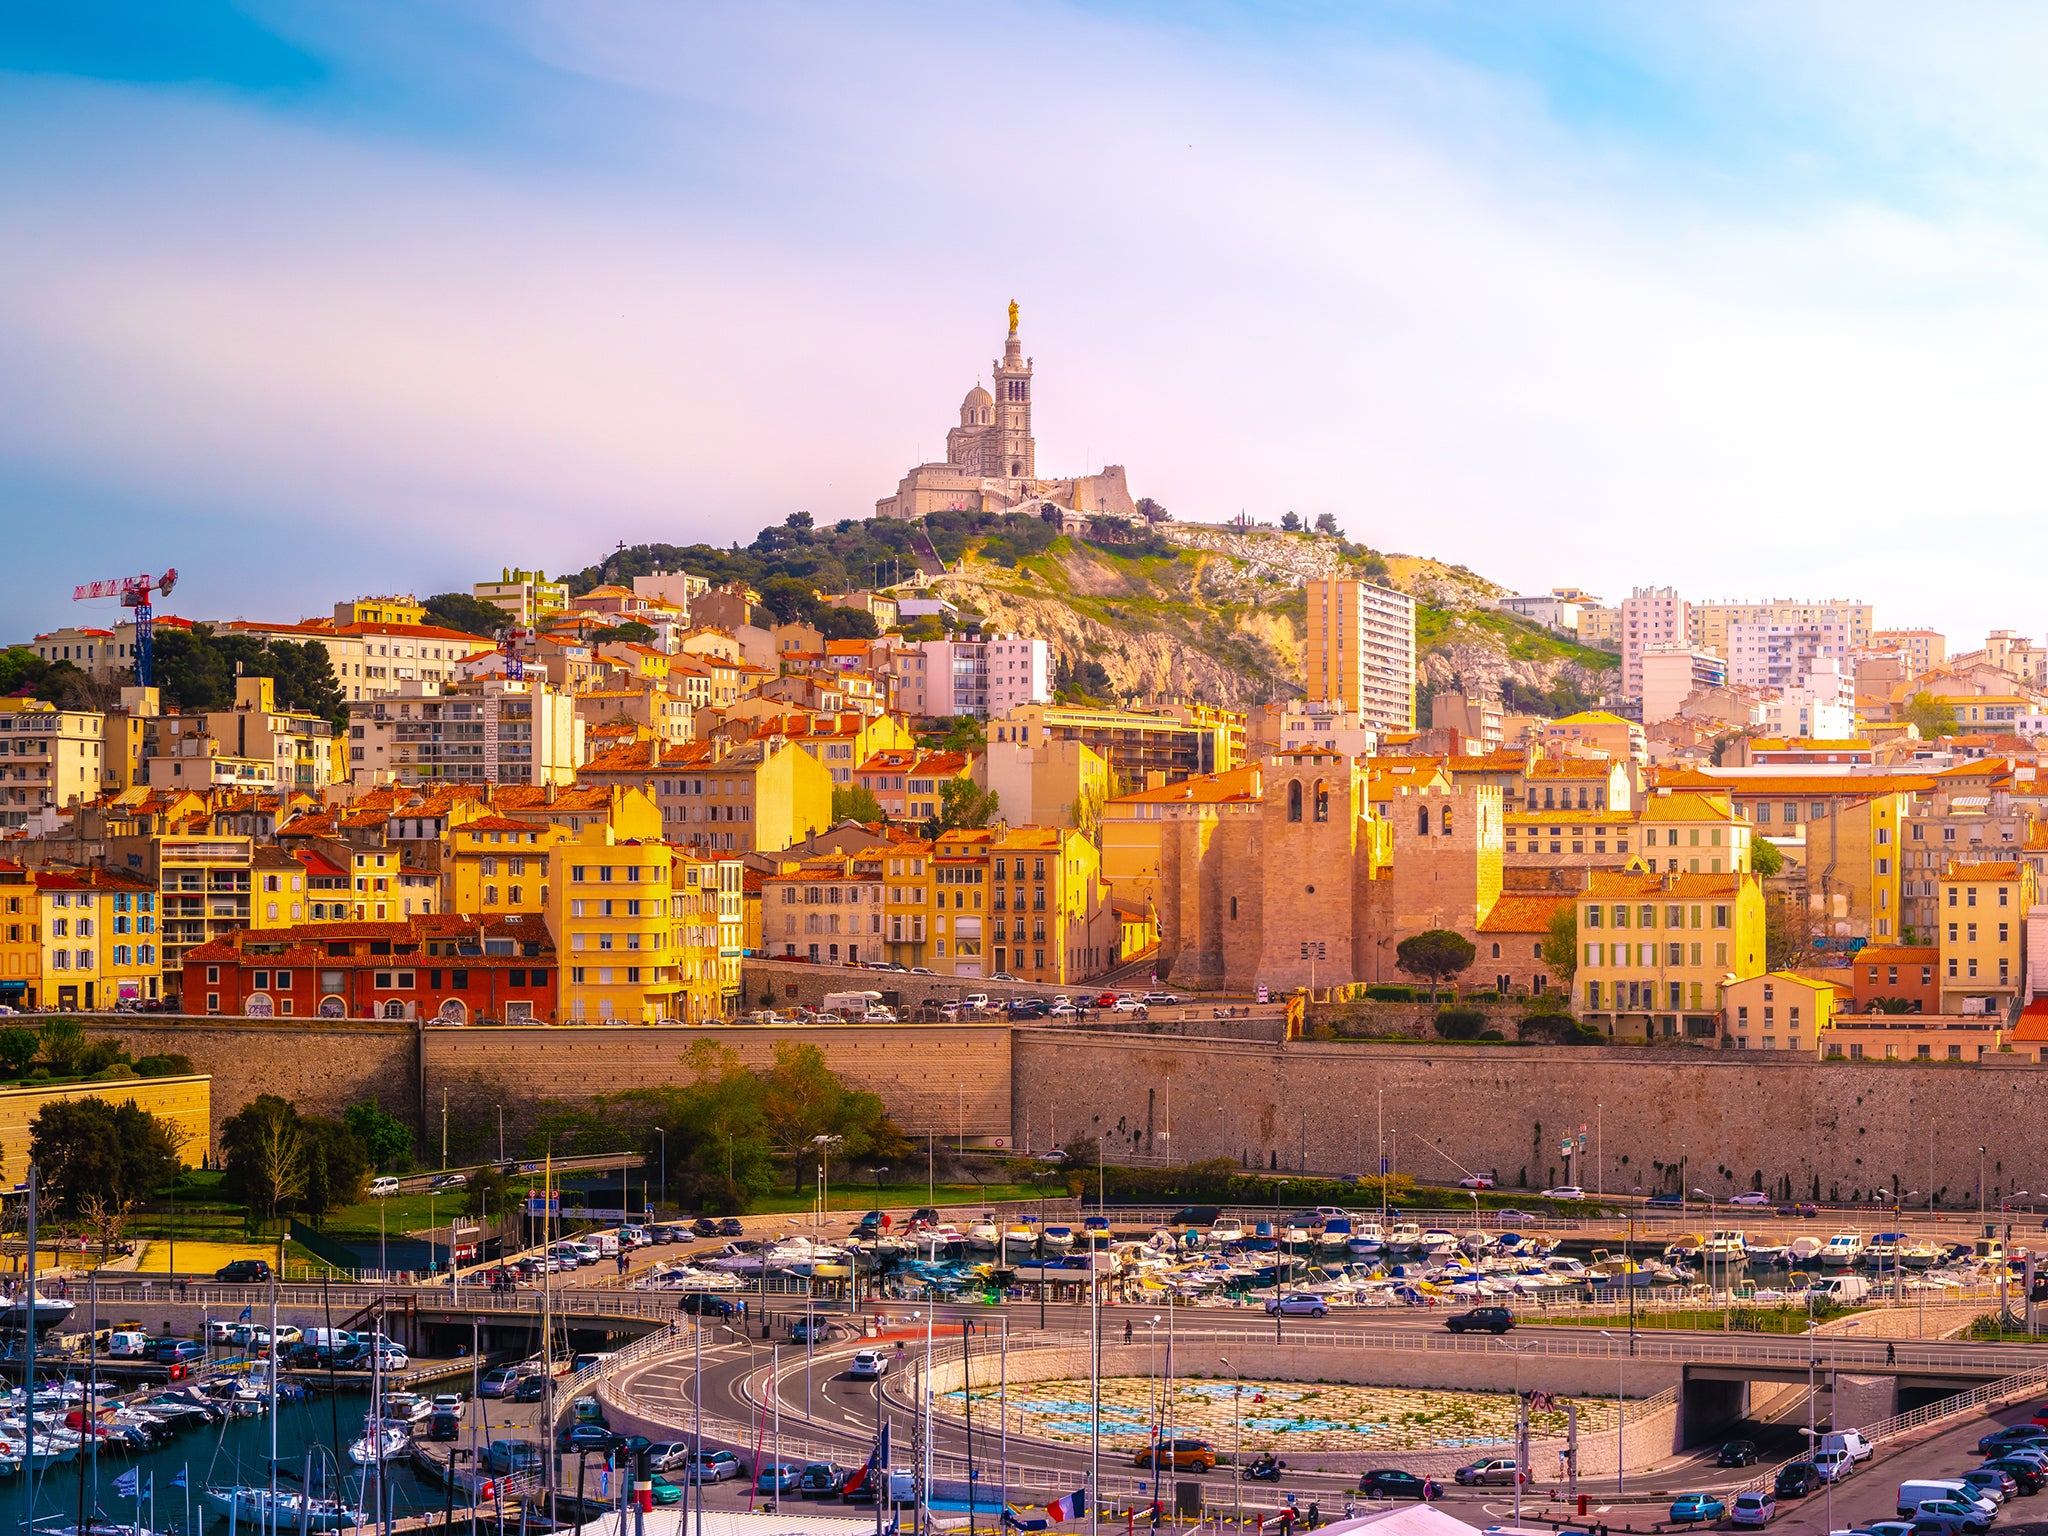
(1620, 1362)
(1712, 1218)
(662, 1132)
(1811, 1433)
(1236, 1441)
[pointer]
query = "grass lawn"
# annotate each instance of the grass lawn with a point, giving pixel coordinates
(854, 1196)
(1745, 1319)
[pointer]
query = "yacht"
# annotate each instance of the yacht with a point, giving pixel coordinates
(1842, 1248)
(1406, 1237)
(1438, 1244)
(382, 1440)
(1058, 1239)
(1225, 1230)
(1367, 1241)
(250, 1506)
(407, 1408)
(983, 1235)
(1882, 1251)
(49, 1311)
(1724, 1246)
(1989, 1250)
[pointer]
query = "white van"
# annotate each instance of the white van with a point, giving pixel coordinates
(383, 1186)
(1850, 1440)
(1937, 1490)
(126, 1344)
(607, 1243)
(1845, 1290)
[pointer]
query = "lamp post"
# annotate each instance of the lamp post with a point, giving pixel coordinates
(1812, 1436)
(853, 1269)
(1620, 1363)
(501, 1133)
(1712, 1217)
(1980, 1183)
(662, 1132)
(1236, 1443)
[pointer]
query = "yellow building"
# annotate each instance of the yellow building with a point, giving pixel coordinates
(493, 865)
(1047, 883)
(608, 911)
(100, 945)
(1596, 730)
(1779, 1010)
(961, 930)
(381, 610)
(1133, 826)
(1656, 949)
(280, 898)
(185, 1102)
(21, 937)
(907, 901)
(704, 919)
(54, 758)
(1983, 935)
(1692, 831)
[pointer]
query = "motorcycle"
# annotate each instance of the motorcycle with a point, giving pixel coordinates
(1264, 1469)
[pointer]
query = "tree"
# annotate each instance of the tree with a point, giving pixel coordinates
(629, 631)
(387, 1140)
(1436, 955)
(489, 1193)
(1764, 857)
(845, 623)
(18, 1049)
(337, 1166)
(1290, 522)
(803, 1099)
(471, 615)
(1460, 1023)
(88, 1148)
(1152, 511)
(962, 803)
(263, 1151)
(1787, 936)
(1893, 1005)
(853, 803)
(802, 522)
(1561, 943)
(63, 1043)
(1326, 522)
(1931, 716)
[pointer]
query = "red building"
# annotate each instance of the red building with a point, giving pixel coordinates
(1905, 971)
(462, 970)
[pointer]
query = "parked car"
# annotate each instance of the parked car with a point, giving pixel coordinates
(1736, 1453)
(515, 1456)
(2012, 1434)
(444, 1425)
(717, 1467)
(1796, 1480)
(1753, 1509)
(243, 1272)
(1297, 1305)
(1692, 1508)
(180, 1351)
(2000, 1484)
(589, 1437)
(530, 1389)
(705, 1304)
(1481, 1320)
(1565, 1192)
(1833, 1465)
(705, 1226)
(1388, 1483)
(867, 1365)
(1194, 1455)
(1159, 999)
(732, 1226)
(821, 1480)
(778, 1477)
(383, 1186)
(1750, 1197)
(1667, 1200)
(2027, 1474)
(1475, 1181)
(1494, 1469)
(664, 1491)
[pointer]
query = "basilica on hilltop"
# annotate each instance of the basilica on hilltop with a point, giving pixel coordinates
(992, 460)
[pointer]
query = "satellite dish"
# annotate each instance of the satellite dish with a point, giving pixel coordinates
(169, 581)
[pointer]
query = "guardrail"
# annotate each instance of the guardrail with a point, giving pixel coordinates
(349, 1298)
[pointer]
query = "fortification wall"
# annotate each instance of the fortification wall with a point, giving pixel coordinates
(1730, 1115)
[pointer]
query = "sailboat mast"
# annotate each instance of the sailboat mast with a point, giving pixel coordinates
(28, 1368)
(273, 1386)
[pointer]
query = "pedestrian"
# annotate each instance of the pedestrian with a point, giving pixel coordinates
(1891, 1354)
(1127, 1330)
(1315, 1514)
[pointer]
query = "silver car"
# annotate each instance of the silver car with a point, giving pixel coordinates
(1495, 1469)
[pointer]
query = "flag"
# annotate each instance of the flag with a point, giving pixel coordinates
(872, 1470)
(246, 1314)
(179, 1481)
(128, 1484)
(1015, 1519)
(1072, 1507)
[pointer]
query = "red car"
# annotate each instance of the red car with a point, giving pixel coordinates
(1107, 1000)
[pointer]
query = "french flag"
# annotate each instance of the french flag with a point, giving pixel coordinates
(1072, 1507)
(873, 1470)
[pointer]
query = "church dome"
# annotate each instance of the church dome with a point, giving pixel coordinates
(977, 396)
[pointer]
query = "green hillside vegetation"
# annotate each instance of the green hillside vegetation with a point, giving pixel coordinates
(1523, 639)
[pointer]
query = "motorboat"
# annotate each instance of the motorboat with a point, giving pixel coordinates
(1406, 1237)
(1095, 1231)
(381, 1441)
(1724, 1246)
(1882, 1251)
(407, 1407)
(1477, 1243)
(1059, 1239)
(1802, 1250)
(1336, 1234)
(1438, 1244)
(1295, 1236)
(1367, 1241)
(1225, 1230)
(1842, 1248)
(983, 1235)
(1989, 1250)
(48, 1311)
(1918, 1255)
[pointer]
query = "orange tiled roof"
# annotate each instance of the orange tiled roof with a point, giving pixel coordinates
(1997, 870)
(1614, 882)
(1525, 913)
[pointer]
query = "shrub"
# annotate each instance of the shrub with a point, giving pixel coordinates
(1460, 1023)
(1391, 994)
(1491, 1034)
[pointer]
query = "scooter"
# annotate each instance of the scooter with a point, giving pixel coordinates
(1264, 1469)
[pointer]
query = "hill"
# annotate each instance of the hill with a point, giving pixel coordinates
(1170, 611)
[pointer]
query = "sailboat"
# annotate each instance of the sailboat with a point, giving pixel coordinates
(381, 1440)
(295, 1511)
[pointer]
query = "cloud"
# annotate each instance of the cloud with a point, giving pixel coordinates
(742, 260)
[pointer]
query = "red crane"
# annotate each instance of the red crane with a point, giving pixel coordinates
(134, 592)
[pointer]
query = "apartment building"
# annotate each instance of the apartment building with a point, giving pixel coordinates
(707, 935)
(1048, 882)
(1944, 826)
(907, 781)
(494, 864)
(1764, 653)
(1360, 654)
(984, 676)
(1923, 649)
(608, 910)
(1655, 949)
(1650, 616)
(1044, 784)
(21, 937)
(203, 891)
(1779, 1010)
(1174, 742)
(99, 945)
(712, 797)
(1713, 625)
(829, 911)
(1674, 673)
(527, 597)
(1982, 935)
(1598, 730)
(376, 660)
(49, 758)
(485, 731)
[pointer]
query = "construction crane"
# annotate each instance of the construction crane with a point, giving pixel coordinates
(508, 646)
(134, 592)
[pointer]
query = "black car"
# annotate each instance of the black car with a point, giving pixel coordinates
(1388, 1484)
(1666, 1202)
(869, 1225)
(704, 1304)
(243, 1272)
(1195, 1216)
(530, 1389)
(1481, 1320)
(1797, 1479)
(2012, 1434)
(2029, 1475)
(925, 1216)
(446, 1424)
(731, 1227)
(588, 1437)
(1736, 1453)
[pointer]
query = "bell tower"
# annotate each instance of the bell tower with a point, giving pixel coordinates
(1013, 454)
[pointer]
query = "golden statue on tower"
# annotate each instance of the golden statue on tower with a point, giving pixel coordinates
(1013, 317)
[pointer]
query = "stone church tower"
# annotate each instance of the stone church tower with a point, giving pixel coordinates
(994, 435)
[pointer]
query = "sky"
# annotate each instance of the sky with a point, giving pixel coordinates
(315, 300)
